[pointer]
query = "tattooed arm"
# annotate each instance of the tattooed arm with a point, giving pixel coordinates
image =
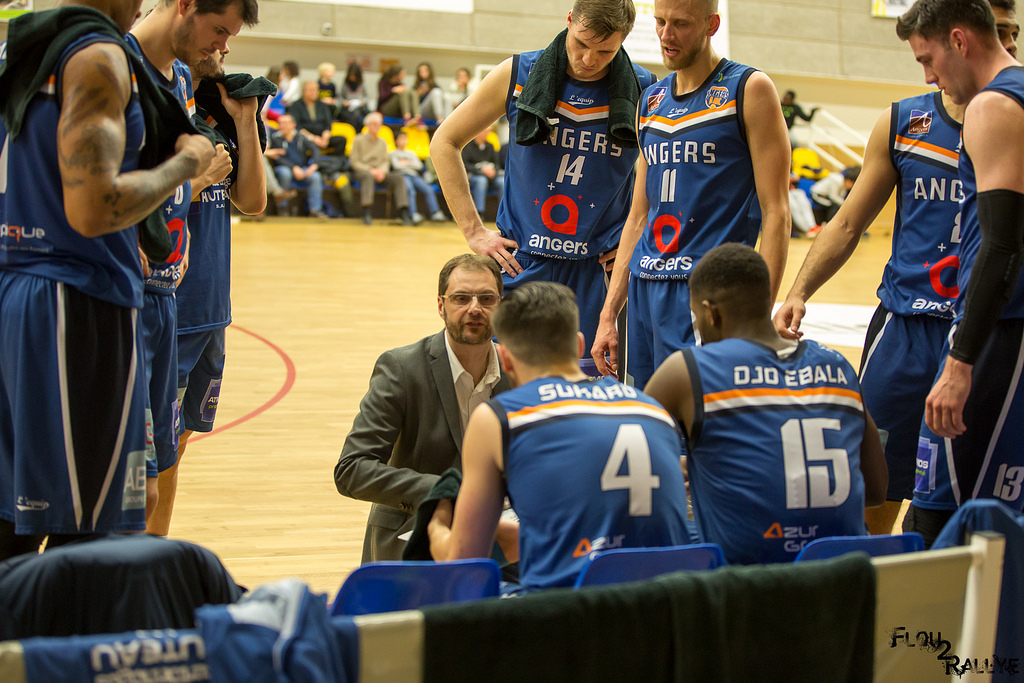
(98, 198)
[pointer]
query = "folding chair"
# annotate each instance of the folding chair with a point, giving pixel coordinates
(636, 564)
(392, 586)
(875, 546)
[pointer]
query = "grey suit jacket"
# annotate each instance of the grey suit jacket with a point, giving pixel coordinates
(407, 432)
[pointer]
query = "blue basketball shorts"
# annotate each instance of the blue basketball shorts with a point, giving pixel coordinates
(658, 323)
(72, 410)
(987, 460)
(901, 356)
(160, 324)
(200, 373)
(585, 277)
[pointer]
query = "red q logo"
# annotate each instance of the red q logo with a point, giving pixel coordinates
(660, 223)
(566, 227)
(935, 275)
(176, 227)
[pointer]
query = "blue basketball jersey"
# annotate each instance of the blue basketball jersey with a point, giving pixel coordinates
(774, 451)
(1010, 82)
(163, 276)
(204, 297)
(589, 466)
(700, 179)
(567, 197)
(35, 236)
(924, 146)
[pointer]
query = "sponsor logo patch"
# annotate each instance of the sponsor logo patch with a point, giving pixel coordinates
(655, 98)
(920, 122)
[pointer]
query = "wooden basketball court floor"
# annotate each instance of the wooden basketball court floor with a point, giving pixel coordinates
(314, 305)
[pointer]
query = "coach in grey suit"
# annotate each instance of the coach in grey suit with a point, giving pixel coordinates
(410, 423)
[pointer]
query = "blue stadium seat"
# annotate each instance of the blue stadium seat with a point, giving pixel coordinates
(875, 546)
(392, 586)
(637, 564)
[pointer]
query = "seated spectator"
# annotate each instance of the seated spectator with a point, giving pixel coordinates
(352, 101)
(296, 164)
(556, 445)
(410, 423)
(829, 193)
(411, 168)
(328, 90)
(459, 89)
(394, 98)
(274, 106)
(370, 165)
(433, 105)
(781, 449)
(313, 117)
(290, 87)
(800, 210)
(481, 160)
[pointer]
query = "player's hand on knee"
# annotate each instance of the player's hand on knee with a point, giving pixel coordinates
(787, 319)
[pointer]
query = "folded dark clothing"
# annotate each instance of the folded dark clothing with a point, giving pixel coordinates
(765, 623)
(446, 488)
(110, 584)
(418, 548)
(238, 86)
(536, 104)
(35, 44)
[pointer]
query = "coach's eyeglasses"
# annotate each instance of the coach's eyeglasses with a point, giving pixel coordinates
(461, 299)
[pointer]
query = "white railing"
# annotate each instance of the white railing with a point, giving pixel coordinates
(818, 134)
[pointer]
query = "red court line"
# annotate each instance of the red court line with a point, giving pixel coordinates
(289, 381)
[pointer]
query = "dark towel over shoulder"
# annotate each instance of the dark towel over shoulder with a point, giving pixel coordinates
(536, 104)
(35, 43)
(810, 622)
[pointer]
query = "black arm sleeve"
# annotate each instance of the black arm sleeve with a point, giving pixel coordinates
(995, 271)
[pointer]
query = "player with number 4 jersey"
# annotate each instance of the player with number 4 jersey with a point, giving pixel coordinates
(588, 464)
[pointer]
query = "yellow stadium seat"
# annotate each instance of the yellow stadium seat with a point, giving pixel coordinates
(347, 130)
(492, 138)
(807, 164)
(419, 141)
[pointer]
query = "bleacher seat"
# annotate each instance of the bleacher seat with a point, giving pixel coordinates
(636, 564)
(391, 586)
(807, 164)
(345, 130)
(419, 141)
(875, 546)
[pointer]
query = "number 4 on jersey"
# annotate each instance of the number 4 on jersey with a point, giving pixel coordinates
(573, 169)
(631, 447)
